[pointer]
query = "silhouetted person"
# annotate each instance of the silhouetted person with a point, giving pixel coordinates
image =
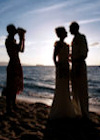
(61, 106)
(79, 72)
(14, 70)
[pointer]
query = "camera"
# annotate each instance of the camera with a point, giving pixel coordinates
(21, 31)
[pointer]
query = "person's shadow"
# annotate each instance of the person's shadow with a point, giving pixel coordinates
(73, 129)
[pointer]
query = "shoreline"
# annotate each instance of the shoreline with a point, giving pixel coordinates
(35, 100)
(30, 100)
(48, 102)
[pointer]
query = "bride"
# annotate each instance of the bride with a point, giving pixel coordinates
(61, 106)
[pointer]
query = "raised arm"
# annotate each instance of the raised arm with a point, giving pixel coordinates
(21, 33)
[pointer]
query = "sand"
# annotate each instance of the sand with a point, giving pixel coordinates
(30, 122)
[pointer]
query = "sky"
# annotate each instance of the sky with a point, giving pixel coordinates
(40, 18)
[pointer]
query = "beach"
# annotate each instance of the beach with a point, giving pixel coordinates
(30, 122)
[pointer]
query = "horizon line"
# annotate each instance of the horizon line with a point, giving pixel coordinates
(40, 65)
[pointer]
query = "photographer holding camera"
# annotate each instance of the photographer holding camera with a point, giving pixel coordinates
(14, 83)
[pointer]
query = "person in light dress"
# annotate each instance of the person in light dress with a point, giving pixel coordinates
(62, 106)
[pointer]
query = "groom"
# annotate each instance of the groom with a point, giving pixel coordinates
(79, 73)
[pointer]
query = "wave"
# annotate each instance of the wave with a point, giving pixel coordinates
(2, 86)
(94, 101)
(27, 78)
(40, 88)
(39, 95)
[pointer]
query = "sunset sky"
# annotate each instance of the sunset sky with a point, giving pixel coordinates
(41, 17)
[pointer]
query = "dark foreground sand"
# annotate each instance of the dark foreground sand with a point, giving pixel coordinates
(30, 122)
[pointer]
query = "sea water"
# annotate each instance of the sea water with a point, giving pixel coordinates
(39, 82)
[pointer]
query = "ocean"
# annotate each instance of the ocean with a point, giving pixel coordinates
(39, 83)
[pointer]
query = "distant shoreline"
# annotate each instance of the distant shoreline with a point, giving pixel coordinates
(40, 65)
(37, 65)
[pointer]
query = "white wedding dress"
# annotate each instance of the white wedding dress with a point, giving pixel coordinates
(62, 106)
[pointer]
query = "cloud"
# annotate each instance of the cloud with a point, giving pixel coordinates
(9, 6)
(88, 21)
(95, 44)
(5, 8)
(30, 43)
(53, 7)
(49, 8)
(2, 41)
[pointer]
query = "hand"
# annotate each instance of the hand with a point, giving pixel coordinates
(21, 33)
